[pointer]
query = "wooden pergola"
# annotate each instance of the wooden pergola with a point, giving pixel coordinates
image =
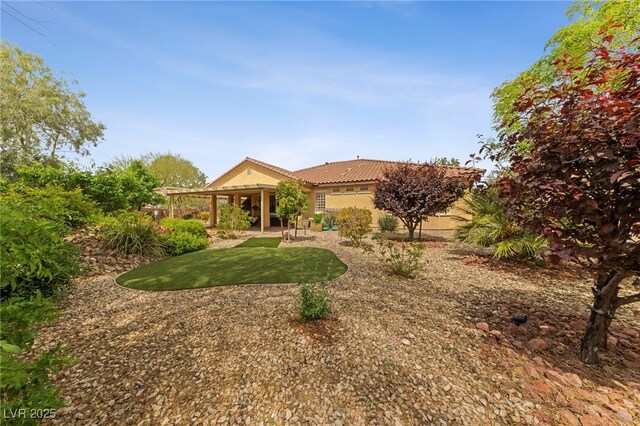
(233, 194)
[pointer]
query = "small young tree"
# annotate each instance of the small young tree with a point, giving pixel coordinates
(354, 223)
(291, 202)
(578, 184)
(412, 192)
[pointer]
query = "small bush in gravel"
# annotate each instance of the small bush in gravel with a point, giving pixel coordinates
(131, 233)
(233, 219)
(313, 303)
(204, 216)
(190, 226)
(354, 223)
(404, 259)
(388, 223)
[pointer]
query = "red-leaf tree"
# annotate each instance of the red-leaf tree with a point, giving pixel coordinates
(412, 192)
(578, 181)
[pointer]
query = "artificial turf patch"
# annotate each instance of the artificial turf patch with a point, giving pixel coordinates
(261, 242)
(237, 265)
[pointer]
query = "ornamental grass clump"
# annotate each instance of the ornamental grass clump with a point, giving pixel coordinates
(313, 302)
(388, 223)
(131, 233)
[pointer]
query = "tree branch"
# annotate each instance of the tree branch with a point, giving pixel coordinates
(626, 300)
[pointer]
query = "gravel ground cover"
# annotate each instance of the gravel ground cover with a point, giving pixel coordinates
(433, 350)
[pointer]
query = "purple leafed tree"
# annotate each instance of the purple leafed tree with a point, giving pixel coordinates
(412, 192)
(578, 180)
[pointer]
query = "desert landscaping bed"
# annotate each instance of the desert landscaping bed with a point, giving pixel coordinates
(439, 349)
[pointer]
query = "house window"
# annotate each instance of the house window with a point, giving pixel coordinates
(321, 203)
(364, 188)
(336, 189)
(350, 189)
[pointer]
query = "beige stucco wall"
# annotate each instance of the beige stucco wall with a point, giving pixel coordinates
(241, 176)
(365, 200)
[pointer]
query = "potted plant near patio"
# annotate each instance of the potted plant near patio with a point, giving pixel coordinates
(316, 222)
(329, 222)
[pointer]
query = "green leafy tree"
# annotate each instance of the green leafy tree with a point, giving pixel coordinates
(138, 184)
(174, 170)
(110, 190)
(444, 161)
(291, 201)
(40, 115)
(575, 40)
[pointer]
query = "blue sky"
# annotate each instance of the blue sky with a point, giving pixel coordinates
(291, 83)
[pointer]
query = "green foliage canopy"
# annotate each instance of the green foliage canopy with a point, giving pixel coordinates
(40, 115)
(575, 40)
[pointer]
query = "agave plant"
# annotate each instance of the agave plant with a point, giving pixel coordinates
(489, 227)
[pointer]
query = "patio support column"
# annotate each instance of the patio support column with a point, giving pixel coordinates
(236, 199)
(265, 208)
(262, 217)
(170, 205)
(213, 210)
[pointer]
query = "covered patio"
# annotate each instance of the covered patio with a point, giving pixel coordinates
(256, 198)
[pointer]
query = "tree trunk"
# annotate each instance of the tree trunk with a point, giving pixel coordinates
(605, 296)
(282, 228)
(411, 228)
(295, 232)
(288, 231)
(420, 232)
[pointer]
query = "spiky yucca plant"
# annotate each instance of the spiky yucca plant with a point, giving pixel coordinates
(489, 227)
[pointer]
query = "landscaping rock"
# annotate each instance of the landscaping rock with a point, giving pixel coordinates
(537, 344)
(240, 354)
(482, 326)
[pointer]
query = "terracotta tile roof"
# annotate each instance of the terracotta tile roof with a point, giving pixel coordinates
(360, 170)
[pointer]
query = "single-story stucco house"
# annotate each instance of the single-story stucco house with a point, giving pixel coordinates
(331, 187)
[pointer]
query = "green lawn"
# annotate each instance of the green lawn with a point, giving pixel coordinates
(237, 265)
(261, 242)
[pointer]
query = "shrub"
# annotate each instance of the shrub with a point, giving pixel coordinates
(110, 190)
(69, 209)
(190, 226)
(204, 216)
(34, 258)
(354, 223)
(131, 233)
(180, 242)
(317, 218)
(187, 216)
(233, 219)
(489, 227)
(388, 223)
(404, 259)
(313, 302)
(24, 376)
(329, 220)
